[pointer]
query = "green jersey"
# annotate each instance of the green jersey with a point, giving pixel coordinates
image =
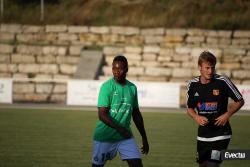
(121, 100)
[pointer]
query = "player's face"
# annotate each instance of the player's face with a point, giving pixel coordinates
(119, 70)
(207, 71)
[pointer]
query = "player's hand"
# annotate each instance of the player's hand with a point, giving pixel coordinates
(222, 120)
(201, 120)
(124, 132)
(145, 146)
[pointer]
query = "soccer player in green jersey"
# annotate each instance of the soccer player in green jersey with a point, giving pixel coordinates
(117, 104)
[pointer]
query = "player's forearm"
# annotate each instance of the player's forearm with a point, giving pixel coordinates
(234, 107)
(103, 116)
(139, 123)
(191, 113)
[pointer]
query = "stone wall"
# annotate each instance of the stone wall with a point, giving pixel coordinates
(49, 55)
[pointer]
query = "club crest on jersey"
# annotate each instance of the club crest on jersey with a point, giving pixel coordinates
(216, 92)
(208, 106)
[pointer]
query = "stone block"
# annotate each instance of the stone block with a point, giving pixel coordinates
(230, 66)
(11, 28)
(195, 39)
(133, 56)
(67, 37)
(225, 34)
(60, 88)
(58, 98)
(43, 76)
(225, 72)
(46, 59)
(176, 32)
(153, 39)
(135, 71)
(23, 87)
(240, 41)
(4, 36)
(67, 59)
(195, 32)
(158, 71)
(32, 29)
(241, 34)
(153, 31)
(3, 68)
(21, 58)
(134, 40)
(62, 50)
(5, 48)
(43, 88)
(55, 28)
(234, 51)
(181, 57)
(133, 49)
(151, 49)
(113, 50)
(212, 40)
(20, 76)
(49, 68)
(162, 58)
(241, 74)
(171, 64)
(75, 50)
(29, 49)
(125, 30)
(99, 30)
(183, 50)
(61, 77)
(152, 78)
(67, 69)
(28, 68)
(150, 64)
(78, 29)
(149, 57)
(4, 58)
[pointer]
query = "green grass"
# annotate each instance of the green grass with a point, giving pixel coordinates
(61, 138)
(206, 14)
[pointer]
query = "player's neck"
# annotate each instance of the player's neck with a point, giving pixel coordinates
(204, 80)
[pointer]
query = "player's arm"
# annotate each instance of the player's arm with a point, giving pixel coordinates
(233, 108)
(103, 114)
(201, 120)
(138, 120)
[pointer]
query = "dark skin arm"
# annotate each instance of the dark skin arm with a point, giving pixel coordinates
(138, 120)
(103, 114)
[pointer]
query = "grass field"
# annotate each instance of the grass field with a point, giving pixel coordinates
(62, 138)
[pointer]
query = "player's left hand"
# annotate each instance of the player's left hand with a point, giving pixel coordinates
(145, 146)
(222, 120)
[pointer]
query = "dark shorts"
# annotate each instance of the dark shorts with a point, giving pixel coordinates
(211, 151)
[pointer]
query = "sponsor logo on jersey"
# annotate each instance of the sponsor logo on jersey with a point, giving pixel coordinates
(216, 92)
(115, 93)
(208, 106)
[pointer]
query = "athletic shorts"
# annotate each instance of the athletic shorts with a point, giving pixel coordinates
(103, 151)
(211, 151)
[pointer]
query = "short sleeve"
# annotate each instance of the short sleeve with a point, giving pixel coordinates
(190, 96)
(104, 96)
(136, 105)
(232, 90)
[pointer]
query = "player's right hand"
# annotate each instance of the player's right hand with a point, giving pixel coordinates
(201, 120)
(124, 132)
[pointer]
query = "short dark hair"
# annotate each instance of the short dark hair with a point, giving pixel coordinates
(122, 59)
(207, 56)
